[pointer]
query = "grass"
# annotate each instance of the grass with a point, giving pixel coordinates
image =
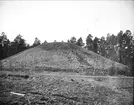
(66, 89)
(64, 57)
(59, 46)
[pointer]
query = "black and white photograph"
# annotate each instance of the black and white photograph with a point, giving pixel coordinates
(66, 52)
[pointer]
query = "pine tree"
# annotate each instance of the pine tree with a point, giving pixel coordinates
(19, 43)
(80, 42)
(89, 42)
(73, 40)
(36, 42)
(95, 44)
(4, 42)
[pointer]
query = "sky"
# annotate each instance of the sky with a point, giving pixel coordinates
(60, 20)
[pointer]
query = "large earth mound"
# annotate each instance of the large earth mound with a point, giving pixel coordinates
(63, 57)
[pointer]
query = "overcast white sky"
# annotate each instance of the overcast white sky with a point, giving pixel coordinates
(60, 20)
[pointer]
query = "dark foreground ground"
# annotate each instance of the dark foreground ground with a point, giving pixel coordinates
(64, 89)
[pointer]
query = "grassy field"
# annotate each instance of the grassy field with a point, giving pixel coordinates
(49, 88)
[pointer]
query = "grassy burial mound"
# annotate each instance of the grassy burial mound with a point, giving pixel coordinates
(63, 57)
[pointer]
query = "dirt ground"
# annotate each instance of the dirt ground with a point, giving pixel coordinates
(64, 89)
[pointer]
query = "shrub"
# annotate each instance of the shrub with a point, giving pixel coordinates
(3, 75)
(0, 65)
(111, 71)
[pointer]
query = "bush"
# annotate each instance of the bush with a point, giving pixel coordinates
(112, 71)
(0, 65)
(3, 75)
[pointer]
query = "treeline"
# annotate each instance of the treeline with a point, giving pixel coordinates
(9, 48)
(118, 47)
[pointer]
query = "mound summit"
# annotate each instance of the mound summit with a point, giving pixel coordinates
(63, 57)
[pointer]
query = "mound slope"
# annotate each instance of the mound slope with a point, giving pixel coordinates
(63, 57)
